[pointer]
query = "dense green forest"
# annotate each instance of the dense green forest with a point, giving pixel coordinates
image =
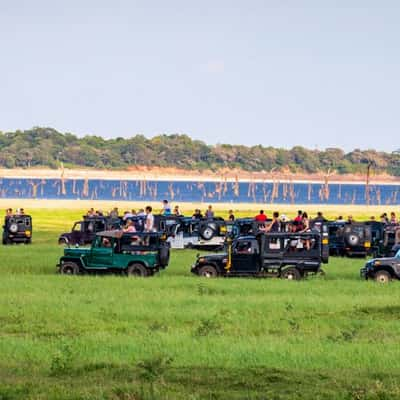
(46, 147)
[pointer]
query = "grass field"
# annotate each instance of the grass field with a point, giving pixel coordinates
(177, 336)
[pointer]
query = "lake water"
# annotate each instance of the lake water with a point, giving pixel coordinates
(235, 192)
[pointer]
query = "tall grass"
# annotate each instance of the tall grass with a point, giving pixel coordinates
(176, 336)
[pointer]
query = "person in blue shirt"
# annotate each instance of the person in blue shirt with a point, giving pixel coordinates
(166, 208)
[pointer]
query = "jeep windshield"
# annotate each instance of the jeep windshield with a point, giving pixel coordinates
(397, 254)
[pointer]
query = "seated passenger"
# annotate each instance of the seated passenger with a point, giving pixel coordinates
(129, 227)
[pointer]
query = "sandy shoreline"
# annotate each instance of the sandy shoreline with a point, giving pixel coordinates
(170, 174)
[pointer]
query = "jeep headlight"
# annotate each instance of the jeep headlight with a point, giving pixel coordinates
(28, 233)
(201, 260)
(377, 262)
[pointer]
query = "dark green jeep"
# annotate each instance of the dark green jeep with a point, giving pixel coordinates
(137, 254)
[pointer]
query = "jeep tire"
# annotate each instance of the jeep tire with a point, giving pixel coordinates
(137, 269)
(207, 232)
(69, 268)
(291, 274)
(208, 271)
(164, 256)
(382, 276)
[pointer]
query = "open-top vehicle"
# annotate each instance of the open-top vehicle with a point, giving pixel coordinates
(382, 269)
(284, 255)
(17, 229)
(83, 232)
(138, 254)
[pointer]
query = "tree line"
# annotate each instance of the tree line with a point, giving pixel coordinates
(47, 147)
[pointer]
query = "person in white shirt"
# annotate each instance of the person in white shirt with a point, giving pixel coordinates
(149, 224)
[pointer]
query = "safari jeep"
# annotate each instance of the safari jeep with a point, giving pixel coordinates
(349, 239)
(284, 255)
(137, 254)
(382, 269)
(17, 229)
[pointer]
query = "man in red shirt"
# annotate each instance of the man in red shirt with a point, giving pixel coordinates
(261, 217)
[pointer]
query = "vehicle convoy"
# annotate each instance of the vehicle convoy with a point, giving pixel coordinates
(285, 255)
(136, 253)
(349, 239)
(382, 269)
(17, 229)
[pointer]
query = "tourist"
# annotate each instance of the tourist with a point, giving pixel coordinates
(384, 218)
(197, 214)
(275, 224)
(298, 221)
(320, 217)
(149, 224)
(209, 213)
(393, 219)
(114, 213)
(166, 210)
(177, 212)
(260, 217)
(231, 216)
(129, 227)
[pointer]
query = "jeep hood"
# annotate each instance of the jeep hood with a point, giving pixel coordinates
(76, 251)
(215, 256)
(383, 260)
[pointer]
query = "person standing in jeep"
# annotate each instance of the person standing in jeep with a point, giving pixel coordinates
(149, 224)
(261, 217)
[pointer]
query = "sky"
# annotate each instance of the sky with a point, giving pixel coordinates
(278, 73)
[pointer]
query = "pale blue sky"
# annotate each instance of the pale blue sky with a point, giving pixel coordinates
(315, 73)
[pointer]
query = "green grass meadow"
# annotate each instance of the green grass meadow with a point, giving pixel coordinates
(177, 336)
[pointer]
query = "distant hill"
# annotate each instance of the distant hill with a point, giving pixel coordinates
(46, 147)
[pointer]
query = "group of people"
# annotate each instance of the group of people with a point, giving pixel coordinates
(18, 212)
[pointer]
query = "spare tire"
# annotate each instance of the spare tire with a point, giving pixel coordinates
(164, 256)
(13, 228)
(207, 232)
(352, 239)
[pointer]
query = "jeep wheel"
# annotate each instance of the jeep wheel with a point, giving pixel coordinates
(207, 232)
(208, 271)
(69, 268)
(382, 276)
(291, 274)
(137, 270)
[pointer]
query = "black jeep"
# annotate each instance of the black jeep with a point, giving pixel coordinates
(382, 269)
(17, 229)
(349, 239)
(83, 232)
(284, 255)
(390, 243)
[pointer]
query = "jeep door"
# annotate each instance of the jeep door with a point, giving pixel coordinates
(245, 256)
(101, 253)
(77, 233)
